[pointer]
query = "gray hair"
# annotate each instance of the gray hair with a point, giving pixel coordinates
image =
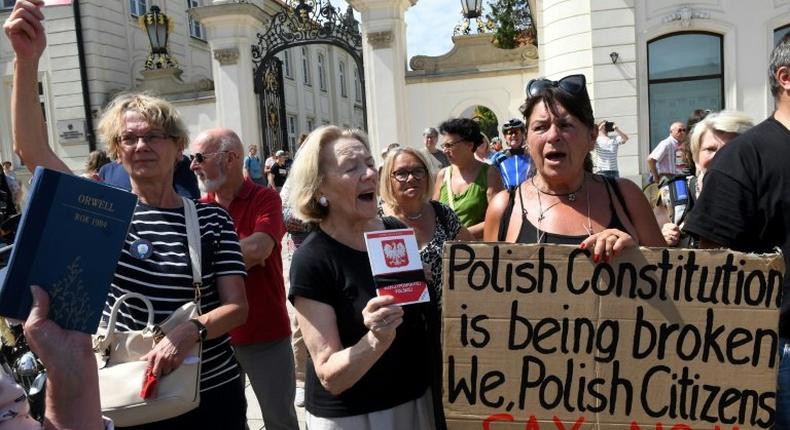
(780, 57)
(430, 131)
(726, 121)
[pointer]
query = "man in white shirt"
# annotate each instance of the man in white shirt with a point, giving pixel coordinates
(661, 162)
(606, 148)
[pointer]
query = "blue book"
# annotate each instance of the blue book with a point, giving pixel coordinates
(69, 240)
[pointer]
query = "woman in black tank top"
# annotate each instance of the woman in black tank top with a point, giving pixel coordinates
(562, 202)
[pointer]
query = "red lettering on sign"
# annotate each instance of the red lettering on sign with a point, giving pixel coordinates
(496, 417)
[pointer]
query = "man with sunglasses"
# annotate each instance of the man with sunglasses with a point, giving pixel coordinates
(662, 161)
(514, 163)
(263, 343)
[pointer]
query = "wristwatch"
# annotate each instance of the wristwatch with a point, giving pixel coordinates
(202, 330)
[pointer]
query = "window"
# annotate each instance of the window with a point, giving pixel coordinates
(287, 64)
(196, 29)
(685, 72)
(291, 132)
(310, 124)
(357, 86)
(341, 73)
(780, 32)
(306, 66)
(321, 72)
(136, 7)
(6, 4)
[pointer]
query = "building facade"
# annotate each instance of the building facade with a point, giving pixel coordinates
(321, 82)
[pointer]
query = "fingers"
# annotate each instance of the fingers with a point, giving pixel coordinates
(607, 244)
(40, 308)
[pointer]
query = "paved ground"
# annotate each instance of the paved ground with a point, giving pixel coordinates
(254, 419)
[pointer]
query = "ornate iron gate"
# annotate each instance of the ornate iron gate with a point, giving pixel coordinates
(271, 97)
(301, 22)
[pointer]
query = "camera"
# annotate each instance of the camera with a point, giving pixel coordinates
(608, 126)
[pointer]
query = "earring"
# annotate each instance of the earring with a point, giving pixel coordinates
(323, 201)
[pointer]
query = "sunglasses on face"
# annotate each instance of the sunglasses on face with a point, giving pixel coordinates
(417, 173)
(199, 157)
(572, 84)
(130, 139)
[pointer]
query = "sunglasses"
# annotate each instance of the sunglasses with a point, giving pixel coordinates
(199, 157)
(572, 84)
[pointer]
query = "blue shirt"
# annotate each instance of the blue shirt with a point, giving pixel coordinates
(184, 180)
(253, 166)
(513, 168)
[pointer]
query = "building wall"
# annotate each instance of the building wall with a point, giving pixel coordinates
(115, 51)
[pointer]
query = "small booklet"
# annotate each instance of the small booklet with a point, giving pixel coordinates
(69, 239)
(397, 268)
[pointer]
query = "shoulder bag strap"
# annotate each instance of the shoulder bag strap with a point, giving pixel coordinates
(448, 183)
(193, 239)
(612, 184)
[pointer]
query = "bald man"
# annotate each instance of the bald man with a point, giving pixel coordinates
(263, 343)
(661, 162)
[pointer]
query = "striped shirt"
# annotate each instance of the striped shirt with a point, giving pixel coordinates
(165, 277)
(606, 153)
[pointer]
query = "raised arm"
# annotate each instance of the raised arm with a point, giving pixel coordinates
(27, 35)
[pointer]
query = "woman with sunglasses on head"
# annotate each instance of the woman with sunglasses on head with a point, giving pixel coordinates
(564, 203)
(467, 184)
(147, 136)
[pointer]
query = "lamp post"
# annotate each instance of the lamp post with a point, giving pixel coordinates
(157, 26)
(472, 10)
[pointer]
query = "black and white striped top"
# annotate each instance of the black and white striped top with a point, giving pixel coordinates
(166, 276)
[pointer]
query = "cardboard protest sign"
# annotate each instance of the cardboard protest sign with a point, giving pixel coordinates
(540, 337)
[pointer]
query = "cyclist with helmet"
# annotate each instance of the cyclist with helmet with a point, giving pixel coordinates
(514, 163)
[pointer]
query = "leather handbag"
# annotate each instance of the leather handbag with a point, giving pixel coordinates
(121, 372)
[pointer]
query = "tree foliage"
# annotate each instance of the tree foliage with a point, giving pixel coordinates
(487, 120)
(513, 25)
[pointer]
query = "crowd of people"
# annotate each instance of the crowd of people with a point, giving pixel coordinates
(283, 230)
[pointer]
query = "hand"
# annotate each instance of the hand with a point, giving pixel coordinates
(381, 317)
(25, 30)
(607, 244)
(171, 351)
(58, 349)
(671, 233)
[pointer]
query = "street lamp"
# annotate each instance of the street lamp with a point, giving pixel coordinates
(157, 26)
(472, 8)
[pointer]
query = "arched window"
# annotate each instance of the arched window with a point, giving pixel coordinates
(342, 76)
(321, 72)
(780, 32)
(306, 66)
(685, 72)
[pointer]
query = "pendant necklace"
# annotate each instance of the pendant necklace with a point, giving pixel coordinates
(413, 217)
(571, 196)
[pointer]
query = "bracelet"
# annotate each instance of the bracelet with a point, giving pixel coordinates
(202, 330)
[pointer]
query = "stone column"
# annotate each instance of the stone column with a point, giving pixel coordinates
(230, 32)
(384, 53)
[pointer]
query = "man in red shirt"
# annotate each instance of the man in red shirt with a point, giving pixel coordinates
(263, 343)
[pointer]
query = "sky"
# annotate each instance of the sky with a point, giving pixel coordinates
(429, 25)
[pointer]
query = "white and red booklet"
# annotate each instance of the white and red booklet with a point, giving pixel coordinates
(396, 265)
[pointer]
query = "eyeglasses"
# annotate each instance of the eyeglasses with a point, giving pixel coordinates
(199, 157)
(451, 144)
(130, 139)
(417, 173)
(681, 130)
(511, 131)
(572, 84)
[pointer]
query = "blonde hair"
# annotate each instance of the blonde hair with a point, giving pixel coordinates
(385, 181)
(727, 121)
(159, 113)
(308, 172)
(95, 160)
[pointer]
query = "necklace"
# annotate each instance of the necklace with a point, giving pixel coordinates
(571, 195)
(413, 217)
(539, 232)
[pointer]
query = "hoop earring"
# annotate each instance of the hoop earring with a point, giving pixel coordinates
(323, 201)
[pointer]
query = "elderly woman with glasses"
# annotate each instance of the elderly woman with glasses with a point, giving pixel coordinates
(368, 363)
(148, 137)
(708, 136)
(564, 203)
(467, 184)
